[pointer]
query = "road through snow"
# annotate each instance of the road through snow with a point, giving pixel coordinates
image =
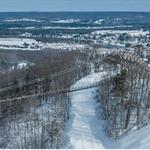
(84, 128)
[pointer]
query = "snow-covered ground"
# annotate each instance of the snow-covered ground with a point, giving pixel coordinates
(66, 21)
(85, 129)
(21, 19)
(22, 65)
(20, 132)
(136, 139)
(99, 21)
(19, 43)
(68, 27)
(26, 34)
(32, 44)
(130, 32)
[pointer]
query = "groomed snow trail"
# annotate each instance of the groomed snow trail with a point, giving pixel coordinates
(84, 128)
(85, 131)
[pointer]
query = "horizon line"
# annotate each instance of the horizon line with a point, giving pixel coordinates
(124, 11)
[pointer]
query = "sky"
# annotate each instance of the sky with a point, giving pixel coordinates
(75, 5)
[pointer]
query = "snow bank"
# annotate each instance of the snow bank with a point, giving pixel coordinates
(136, 139)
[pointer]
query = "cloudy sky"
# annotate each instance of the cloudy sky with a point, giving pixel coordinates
(75, 5)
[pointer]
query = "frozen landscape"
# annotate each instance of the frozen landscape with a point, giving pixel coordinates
(86, 131)
(74, 80)
(32, 44)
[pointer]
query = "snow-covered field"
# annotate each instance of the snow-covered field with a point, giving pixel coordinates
(66, 21)
(19, 43)
(122, 38)
(130, 32)
(22, 65)
(21, 19)
(99, 21)
(68, 27)
(85, 129)
(32, 44)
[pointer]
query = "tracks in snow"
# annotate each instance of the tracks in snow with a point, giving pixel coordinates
(84, 128)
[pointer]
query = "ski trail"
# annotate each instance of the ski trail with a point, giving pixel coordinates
(84, 129)
(81, 134)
